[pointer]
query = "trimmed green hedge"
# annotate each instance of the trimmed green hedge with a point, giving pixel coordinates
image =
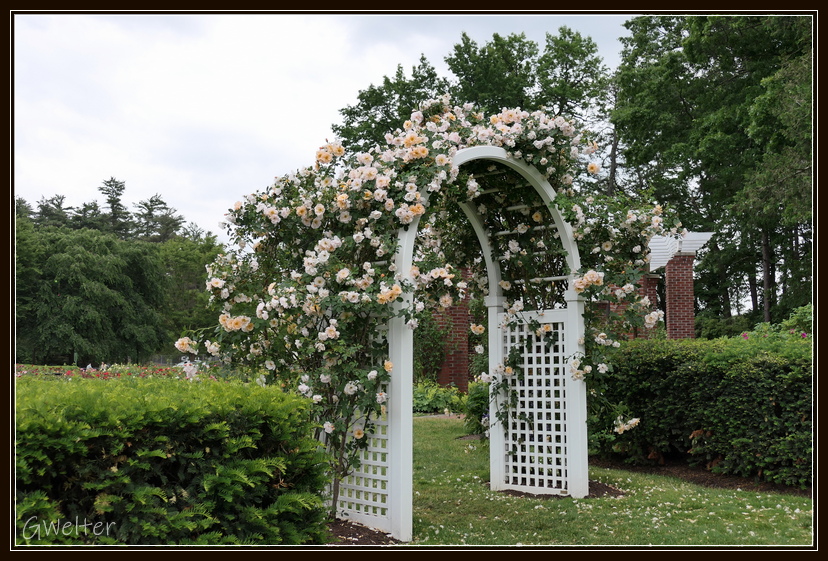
(160, 461)
(740, 406)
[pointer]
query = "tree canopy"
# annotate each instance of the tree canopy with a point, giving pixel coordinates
(99, 285)
(87, 296)
(383, 108)
(715, 114)
(567, 78)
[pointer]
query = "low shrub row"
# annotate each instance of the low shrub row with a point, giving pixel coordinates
(162, 461)
(477, 409)
(739, 405)
(431, 397)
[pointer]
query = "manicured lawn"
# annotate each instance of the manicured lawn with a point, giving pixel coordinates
(454, 506)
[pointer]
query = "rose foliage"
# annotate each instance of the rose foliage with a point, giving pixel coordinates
(312, 280)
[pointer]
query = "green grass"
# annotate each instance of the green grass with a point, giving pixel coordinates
(453, 506)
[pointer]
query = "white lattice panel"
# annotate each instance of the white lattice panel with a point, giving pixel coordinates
(535, 442)
(364, 495)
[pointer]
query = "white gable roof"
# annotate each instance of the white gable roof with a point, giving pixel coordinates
(662, 248)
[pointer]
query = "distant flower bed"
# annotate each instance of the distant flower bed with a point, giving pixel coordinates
(115, 371)
(190, 371)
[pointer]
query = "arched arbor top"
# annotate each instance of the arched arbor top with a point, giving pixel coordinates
(515, 208)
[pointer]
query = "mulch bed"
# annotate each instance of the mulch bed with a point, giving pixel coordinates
(345, 532)
(702, 476)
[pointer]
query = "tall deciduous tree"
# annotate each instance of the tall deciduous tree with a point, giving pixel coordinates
(501, 73)
(568, 79)
(184, 260)
(687, 89)
(384, 108)
(573, 80)
(779, 188)
(653, 112)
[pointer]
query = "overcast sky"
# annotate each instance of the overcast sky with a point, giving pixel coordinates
(203, 109)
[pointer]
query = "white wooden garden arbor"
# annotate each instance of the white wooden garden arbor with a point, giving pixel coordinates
(540, 446)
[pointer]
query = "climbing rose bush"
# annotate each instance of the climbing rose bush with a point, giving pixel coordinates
(312, 281)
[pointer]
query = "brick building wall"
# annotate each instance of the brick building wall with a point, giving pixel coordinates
(650, 287)
(455, 369)
(678, 282)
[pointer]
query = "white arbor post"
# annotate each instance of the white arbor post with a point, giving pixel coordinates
(497, 442)
(577, 434)
(400, 403)
(400, 429)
